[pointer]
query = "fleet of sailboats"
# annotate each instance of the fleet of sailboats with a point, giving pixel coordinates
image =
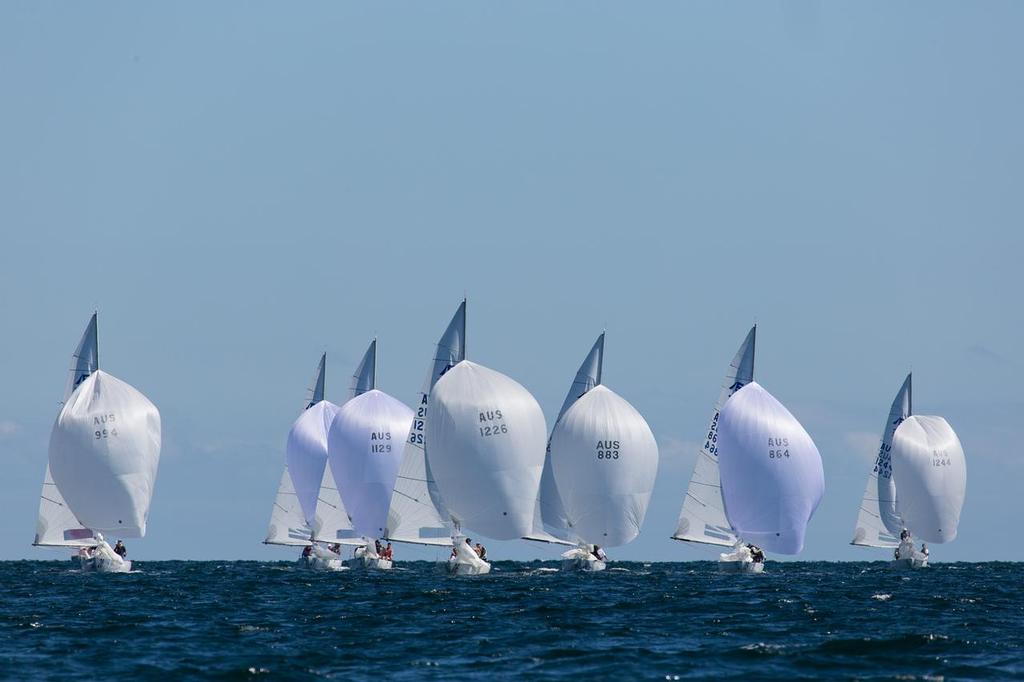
(474, 456)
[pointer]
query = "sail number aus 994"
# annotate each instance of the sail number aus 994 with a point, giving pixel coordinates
(101, 423)
(778, 448)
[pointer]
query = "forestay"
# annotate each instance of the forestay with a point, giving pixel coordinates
(415, 513)
(104, 453)
(878, 524)
(486, 438)
(702, 518)
(605, 461)
(549, 521)
(930, 471)
(365, 446)
(306, 454)
(772, 476)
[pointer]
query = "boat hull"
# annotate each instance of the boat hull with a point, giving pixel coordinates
(370, 564)
(589, 564)
(98, 564)
(314, 563)
(910, 563)
(740, 566)
(455, 567)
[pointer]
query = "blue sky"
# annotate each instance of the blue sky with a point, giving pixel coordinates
(238, 187)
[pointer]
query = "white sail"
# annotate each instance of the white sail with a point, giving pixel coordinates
(85, 360)
(365, 377)
(332, 522)
(702, 518)
(605, 460)
(772, 476)
(549, 520)
(486, 438)
(306, 454)
(316, 389)
(57, 525)
(287, 523)
(878, 524)
(415, 513)
(104, 453)
(931, 476)
(365, 447)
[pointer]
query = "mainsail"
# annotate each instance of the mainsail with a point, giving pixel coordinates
(365, 377)
(702, 518)
(931, 476)
(772, 476)
(415, 513)
(288, 525)
(549, 520)
(878, 524)
(56, 525)
(605, 460)
(104, 453)
(486, 437)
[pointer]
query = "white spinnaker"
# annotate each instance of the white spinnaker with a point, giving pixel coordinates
(104, 453)
(365, 443)
(931, 475)
(57, 525)
(549, 520)
(365, 377)
(287, 524)
(772, 476)
(605, 461)
(306, 454)
(878, 524)
(415, 513)
(486, 439)
(702, 518)
(85, 360)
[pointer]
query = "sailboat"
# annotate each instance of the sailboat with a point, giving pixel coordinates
(103, 458)
(604, 459)
(772, 476)
(308, 511)
(365, 449)
(485, 446)
(415, 515)
(702, 519)
(916, 486)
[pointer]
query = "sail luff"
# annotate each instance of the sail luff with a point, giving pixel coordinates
(84, 359)
(416, 514)
(878, 523)
(365, 377)
(702, 518)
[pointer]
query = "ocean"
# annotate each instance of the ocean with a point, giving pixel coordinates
(662, 621)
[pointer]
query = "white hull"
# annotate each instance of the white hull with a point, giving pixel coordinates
(103, 564)
(589, 563)
(911, 563)
(318, 564)
(455, 567)
(740, 566)
(370, 564)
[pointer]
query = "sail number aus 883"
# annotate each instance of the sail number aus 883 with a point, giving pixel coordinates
(778, 448)
(607, 449)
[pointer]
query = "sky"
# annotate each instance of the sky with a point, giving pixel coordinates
(238, 187)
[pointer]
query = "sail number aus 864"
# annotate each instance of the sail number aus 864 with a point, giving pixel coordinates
(778, 448)
(607, 449)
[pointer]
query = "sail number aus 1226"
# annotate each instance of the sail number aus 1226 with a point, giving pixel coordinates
(495, 428)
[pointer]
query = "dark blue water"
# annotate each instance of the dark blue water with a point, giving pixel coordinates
(234, 620)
